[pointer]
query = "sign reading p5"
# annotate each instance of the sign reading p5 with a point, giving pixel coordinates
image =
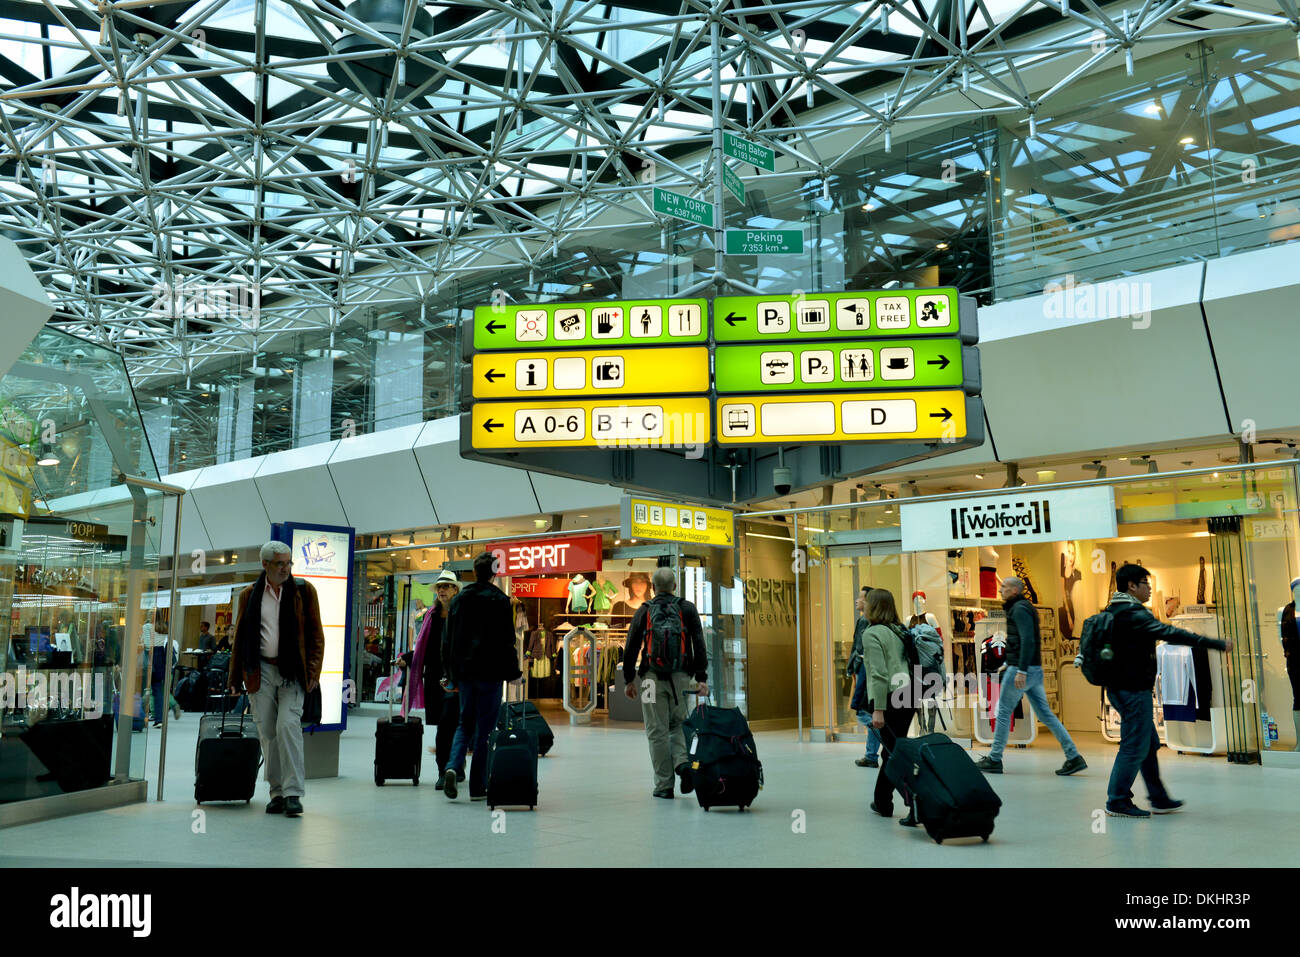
(548, 556)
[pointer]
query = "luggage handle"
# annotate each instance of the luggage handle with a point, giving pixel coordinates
(225, 697)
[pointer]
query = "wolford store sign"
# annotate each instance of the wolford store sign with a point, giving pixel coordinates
(549, 556)
(1024, 517)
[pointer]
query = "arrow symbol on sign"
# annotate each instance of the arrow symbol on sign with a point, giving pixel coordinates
(492, 375)
(490, 425)
(942, 362)
(944, 414)
(731, 318)
(494, 327)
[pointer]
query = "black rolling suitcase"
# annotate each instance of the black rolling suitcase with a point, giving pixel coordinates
(399, 746)
(724, 761)
(226, 758)
(951, 796)
(512, 764)
(526, 715)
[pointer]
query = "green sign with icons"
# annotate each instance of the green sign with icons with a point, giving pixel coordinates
(879, 313)
(588, 325)
(840, 366)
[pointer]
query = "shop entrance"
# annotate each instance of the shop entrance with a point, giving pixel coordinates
(849, 569)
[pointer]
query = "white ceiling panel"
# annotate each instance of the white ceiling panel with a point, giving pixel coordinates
(1250, 305)
(558, 494)
(193, 533)
(1120, 382)
(296, 486)
(230, 506)
(380, 483)
(464, 490)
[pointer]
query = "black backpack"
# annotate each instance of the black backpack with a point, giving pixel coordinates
(667, 646)
(1097, 648)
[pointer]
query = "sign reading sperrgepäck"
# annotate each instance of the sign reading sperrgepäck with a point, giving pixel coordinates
(1049, 516)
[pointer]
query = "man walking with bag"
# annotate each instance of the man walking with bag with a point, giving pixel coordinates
(278, 651)
(669, 630)
(481, 642)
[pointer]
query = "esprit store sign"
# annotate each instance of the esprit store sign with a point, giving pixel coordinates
(539, 587)
(1026, 517)
(549, 556)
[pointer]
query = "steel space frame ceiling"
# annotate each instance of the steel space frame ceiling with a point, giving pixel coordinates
(188, 178)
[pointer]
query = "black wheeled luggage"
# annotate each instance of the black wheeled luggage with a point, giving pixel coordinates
(399, 747)
(525, 714)
(512, 765)
(951, 796)
(724, 761)
(226, 758)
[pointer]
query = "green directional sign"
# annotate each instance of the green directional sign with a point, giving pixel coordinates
(840, 366)
(878, 313)
(732, 182)
(586, 325)
(764, 242)
(763, 157)
(695, 211)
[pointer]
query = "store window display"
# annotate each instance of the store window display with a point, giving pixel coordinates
(580, 592)
(637, 585)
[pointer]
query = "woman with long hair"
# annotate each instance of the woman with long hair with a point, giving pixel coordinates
(889, 690)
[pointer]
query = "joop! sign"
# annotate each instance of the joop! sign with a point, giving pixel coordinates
(1023, 517)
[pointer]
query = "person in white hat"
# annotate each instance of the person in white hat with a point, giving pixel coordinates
(441, 702)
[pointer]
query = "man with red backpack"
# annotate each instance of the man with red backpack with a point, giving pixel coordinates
(668, 630)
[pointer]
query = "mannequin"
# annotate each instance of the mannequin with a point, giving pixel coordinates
(1204, 584)
(1290, 638)
(989, 583)
(920, 616)
(579, 595)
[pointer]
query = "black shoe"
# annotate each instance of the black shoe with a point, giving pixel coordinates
(292, 807)
(686, 780)
(439, 786)
(1165, 806)
(910, 820)
(865, 762)
(276, 806)
(460, 775)
(1072, 766)
(989, 766)
(666, 794)
(889, 813)
(449, 783)
(1127, 809)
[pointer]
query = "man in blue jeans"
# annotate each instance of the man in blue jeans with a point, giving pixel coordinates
(1134, 633)
(481, 641)
(1023, 677)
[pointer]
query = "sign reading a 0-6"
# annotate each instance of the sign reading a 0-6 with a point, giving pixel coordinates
(592, 324)
(883, 313)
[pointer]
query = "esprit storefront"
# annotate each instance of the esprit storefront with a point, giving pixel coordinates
(1220, 546)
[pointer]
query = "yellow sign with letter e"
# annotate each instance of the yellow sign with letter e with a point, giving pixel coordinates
(680, 522)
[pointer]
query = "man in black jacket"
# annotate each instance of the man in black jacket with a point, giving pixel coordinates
(1133, 676)
(663, 684)
(1022, 676)
(480, 640)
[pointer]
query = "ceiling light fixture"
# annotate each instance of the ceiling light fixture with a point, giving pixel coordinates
(980, 476)
(47, 455)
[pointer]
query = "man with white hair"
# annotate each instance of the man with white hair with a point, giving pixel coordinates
(668, 628)
(278, 650)
(1022, 676)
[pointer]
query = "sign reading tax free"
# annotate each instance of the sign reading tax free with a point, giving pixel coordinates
(662, 521)
(583, 325)
(839, 315)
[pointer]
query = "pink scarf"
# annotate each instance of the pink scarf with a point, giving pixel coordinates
(415, 674)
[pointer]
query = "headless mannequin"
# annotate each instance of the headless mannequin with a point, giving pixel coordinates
(929, 709)
(579, 589)
(989, 583)
(1287, 634)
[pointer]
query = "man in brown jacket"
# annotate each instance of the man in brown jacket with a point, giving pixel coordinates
(278, 649)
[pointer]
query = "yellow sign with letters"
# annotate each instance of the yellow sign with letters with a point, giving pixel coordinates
(619, 371)
(679, 522)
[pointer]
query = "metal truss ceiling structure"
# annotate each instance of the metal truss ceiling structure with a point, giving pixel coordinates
(295, 151)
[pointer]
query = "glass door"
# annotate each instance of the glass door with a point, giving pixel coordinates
(849, 569)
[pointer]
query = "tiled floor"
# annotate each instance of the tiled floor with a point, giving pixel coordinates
(596, 810)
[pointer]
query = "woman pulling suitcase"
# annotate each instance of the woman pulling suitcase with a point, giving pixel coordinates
(887, 671)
